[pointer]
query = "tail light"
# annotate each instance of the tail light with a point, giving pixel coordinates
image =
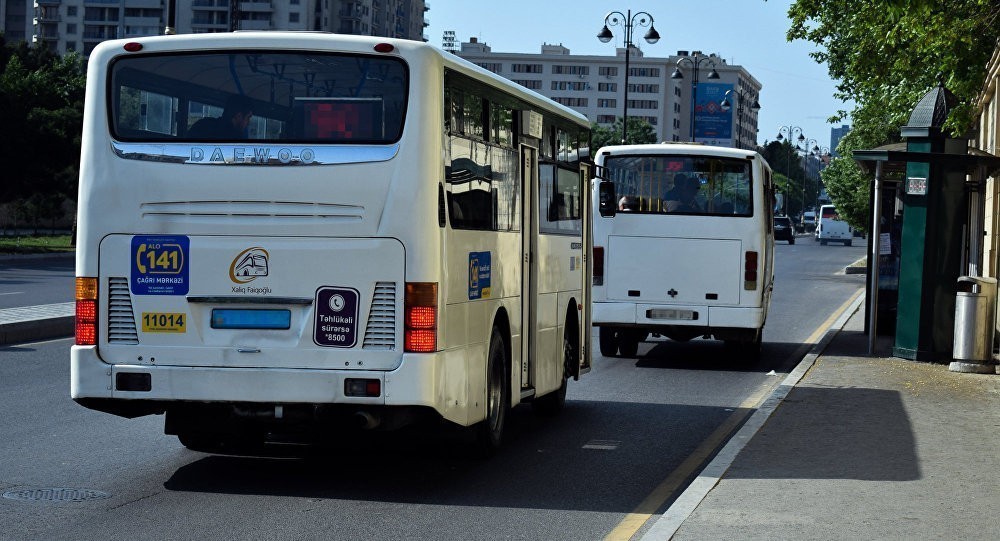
(750, 270)
(421, 319)
(86, 311)
(598, 265)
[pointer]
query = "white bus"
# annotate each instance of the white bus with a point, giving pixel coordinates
(683, 245)
(380, 233)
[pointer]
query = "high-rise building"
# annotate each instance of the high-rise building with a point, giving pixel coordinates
(835, 135)
(595, 86)
(79, 25)
(15, 19)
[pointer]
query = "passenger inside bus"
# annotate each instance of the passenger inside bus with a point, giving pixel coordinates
(231, 125)
(682, 197)
(628, 203)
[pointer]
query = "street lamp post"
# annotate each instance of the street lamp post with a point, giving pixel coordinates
(628, 22)
(725, 105)
(820, 152)
(790, 132)
(695, 64)
(808, 143)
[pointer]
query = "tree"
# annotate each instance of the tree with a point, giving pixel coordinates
(41, 110)
(639, 132)
(790, 177)
(885, 55)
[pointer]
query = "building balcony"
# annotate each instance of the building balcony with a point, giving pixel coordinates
(259, 6)
(46, 19)
(39, 3)
(427, 6)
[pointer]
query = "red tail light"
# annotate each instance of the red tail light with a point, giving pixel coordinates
(420, 328)
(598, 265)
(750, 271)
(86, 311)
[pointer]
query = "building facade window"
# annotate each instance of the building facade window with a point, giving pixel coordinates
(607, 87)
(571, 102)
(576, 86)
(643, 104)
(526, 68)
(570, 70)
(644, 88)
(606, 119)
(607, 103)
(608, 71)
(533, 84)
(495, 67)
(644, 72)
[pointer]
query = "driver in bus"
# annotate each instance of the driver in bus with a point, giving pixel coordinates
(683, 196)
(231, 125)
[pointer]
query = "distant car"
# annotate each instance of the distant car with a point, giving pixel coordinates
(783, 229)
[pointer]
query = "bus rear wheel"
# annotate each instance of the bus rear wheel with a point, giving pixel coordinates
(609, 341)
(554, 402)
(489, 431)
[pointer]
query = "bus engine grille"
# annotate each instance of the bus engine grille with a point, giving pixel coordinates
(380, 333)
(121, 319)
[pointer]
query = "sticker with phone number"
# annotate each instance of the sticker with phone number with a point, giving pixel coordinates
(159, 265)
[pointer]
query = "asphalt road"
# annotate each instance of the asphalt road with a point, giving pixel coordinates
(634, 432)
(29, 281)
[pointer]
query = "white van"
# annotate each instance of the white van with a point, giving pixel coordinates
(831, 228)
(683, 245)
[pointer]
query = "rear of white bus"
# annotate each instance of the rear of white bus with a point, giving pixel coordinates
(681, 266)
(239, 284)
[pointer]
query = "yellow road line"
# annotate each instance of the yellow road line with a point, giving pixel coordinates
(645, 510)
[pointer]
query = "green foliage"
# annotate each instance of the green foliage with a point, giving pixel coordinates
(885, 55)
(41, 110)
(848, 187)
(639, 132)
(790, 178)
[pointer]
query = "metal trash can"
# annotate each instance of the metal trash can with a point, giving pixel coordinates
(975, 318)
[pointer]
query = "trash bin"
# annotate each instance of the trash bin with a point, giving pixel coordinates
(975, 318)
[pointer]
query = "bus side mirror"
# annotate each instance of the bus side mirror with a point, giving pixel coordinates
(607, 201)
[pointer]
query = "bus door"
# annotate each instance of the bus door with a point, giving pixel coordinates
(529, 263)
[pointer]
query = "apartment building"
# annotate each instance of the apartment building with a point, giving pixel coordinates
(79, 25)
(595, 86)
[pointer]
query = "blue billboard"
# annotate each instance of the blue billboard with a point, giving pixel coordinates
(712, 125)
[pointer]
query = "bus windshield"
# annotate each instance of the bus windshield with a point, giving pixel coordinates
(675, 184)
(292, 97)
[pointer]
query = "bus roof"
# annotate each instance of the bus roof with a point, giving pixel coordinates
(678, 148)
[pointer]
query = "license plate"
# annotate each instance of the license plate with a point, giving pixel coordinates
(235, 318)
(164, 322)
(661, 313)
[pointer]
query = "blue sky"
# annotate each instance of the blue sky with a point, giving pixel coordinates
(796, 91)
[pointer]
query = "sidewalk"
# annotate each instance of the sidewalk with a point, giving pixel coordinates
(861, 447)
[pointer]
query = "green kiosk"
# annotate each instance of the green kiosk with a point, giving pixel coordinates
(942, 202)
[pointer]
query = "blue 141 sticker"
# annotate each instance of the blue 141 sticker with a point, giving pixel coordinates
(159, 265)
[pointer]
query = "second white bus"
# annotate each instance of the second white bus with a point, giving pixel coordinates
(683, 245)
(391, 234)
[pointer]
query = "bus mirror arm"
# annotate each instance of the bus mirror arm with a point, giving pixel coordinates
(607, 201)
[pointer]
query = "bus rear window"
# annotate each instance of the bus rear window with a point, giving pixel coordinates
(693, 185)
(302, 97)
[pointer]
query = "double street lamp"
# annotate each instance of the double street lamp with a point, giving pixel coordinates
(628, 22)
(815, 144)
(695, 64)
(725, 105)
(790, 131)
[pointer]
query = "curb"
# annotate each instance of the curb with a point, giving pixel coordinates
(39, 329)
(7, 258)
(667, 525)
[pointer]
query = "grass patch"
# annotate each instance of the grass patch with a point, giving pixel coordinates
(35, 244)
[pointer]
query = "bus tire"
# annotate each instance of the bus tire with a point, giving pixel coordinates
(628, 343)
(848, 242)
(609, 341)
(554, 402)
(489, 431)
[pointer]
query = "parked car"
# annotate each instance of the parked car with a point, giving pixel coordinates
(783, 229)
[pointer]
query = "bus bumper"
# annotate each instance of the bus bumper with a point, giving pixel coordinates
(639, 315)
(439, 381)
